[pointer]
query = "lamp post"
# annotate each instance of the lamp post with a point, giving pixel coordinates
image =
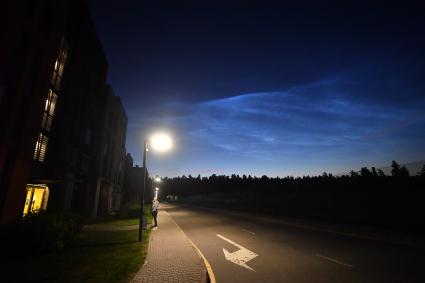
(142, 197)
(159, 142)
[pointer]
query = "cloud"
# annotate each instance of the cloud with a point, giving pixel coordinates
(308, 116)
(316, 122)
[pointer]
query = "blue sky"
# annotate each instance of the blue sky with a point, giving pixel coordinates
(304, 130)
(269, 87)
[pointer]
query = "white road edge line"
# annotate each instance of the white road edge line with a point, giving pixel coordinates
(334, 260)
(250, 232)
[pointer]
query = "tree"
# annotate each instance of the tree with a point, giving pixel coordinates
(364, 172)
(381, 173)
(374, 173)
(422, 173)
(353, 174)
(396, 169)
(404, 172)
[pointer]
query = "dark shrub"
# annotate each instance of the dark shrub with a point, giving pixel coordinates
(40, 232)
(130, 210)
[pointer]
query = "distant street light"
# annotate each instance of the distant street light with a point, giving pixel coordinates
(157, 180)
(160, 142)
(156, 193)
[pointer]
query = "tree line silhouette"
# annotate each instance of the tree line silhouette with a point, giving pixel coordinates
(368, 196)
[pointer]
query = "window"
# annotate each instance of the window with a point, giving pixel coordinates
(60, 65)
(37, 198)
(49, 111)
(40, 147)
(50, 105)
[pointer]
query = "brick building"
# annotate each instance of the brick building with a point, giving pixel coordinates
(60, 123)
(112, 161)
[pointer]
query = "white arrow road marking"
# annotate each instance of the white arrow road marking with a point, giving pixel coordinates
(241, 256)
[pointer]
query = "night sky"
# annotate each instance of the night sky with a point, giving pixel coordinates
(261, 87)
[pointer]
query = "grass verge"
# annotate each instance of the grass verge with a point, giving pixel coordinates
(96, 257)
(117, 222)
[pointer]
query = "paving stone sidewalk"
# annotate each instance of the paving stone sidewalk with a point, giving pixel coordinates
(171, 257)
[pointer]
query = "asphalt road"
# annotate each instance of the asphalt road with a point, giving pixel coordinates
(290, 254)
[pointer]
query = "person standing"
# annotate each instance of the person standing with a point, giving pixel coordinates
(155, 206)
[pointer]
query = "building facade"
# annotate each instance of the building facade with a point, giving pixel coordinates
(60, 121)
(133, 185)
(112, 161)
(30, 40)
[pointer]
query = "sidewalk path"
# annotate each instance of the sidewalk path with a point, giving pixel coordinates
(171, 257)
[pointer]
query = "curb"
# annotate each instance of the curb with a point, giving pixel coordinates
(210, 278)
(133, 279)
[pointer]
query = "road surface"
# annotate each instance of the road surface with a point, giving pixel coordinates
(244, 250)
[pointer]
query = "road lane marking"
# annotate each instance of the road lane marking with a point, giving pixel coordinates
(241, 256)
(334, 260)
(250, 232)
(312, 227)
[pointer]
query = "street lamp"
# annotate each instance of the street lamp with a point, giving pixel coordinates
(157, 180)
(156, 193)
(160, 142)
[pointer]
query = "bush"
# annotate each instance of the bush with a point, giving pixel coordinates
(41, 232)
(130, 210)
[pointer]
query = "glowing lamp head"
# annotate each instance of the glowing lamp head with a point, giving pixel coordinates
(161, 142)
(157, 179)
(156, 189)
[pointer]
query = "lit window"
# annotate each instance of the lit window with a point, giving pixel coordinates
(49, 111)
(50, 104)
(40, 148)
(37, 198)
(60, 65)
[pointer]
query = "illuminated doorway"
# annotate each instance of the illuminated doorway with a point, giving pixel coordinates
(37, 198)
